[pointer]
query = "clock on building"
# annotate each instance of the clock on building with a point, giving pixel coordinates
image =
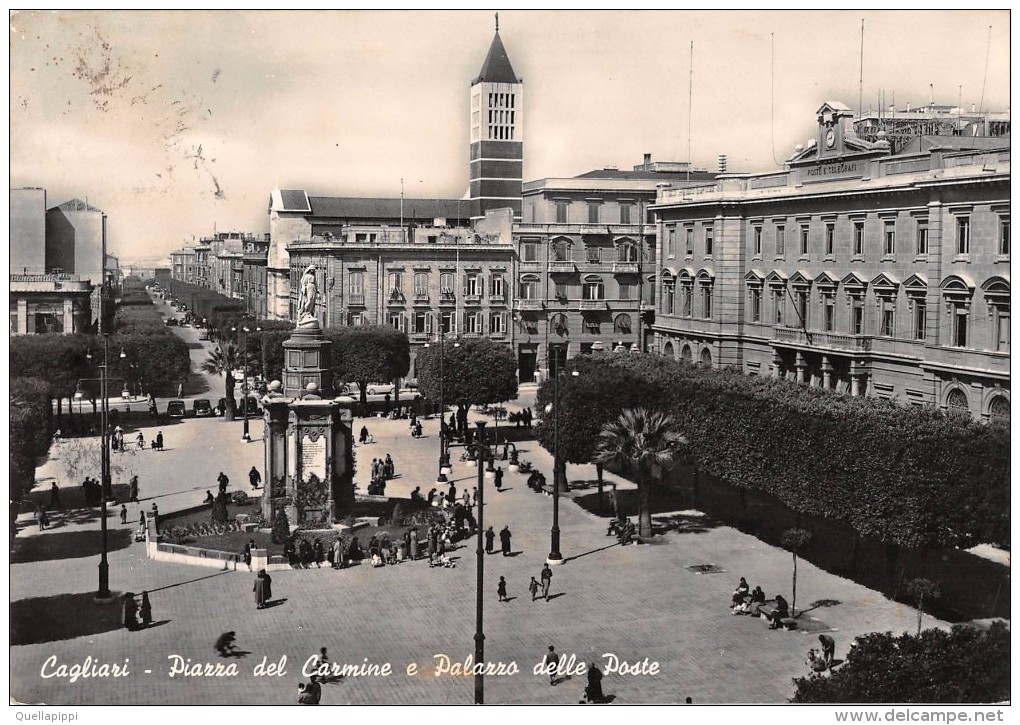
(830, 138)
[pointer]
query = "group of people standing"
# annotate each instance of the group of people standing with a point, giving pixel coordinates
(382, 471)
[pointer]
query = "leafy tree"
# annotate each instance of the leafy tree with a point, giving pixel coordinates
(793, 541)
(634, 442)
(475, 371)
(223, 361)
(368, 353)
(921, 589)
(60, 360)
(266, 350)
(966, 665)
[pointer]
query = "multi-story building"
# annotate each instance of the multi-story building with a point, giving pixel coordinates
(852, 268)
(182, 265)
(28, 231)
(586, 251)
(253, 276)
(41, 303)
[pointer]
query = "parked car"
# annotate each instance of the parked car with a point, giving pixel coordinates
(175, 409)
(252, 404)
(202, 408)
(372, 389)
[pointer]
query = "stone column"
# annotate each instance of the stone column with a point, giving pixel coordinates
(777, 364)
(801, 365)
(22, 317)
(826, 372)
(69, 316)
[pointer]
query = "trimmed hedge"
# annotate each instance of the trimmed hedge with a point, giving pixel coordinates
(908, 476)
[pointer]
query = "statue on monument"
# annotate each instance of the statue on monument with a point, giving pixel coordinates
(306, 299)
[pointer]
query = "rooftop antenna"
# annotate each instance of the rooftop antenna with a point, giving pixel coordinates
(988, 49)
(860, 87)
(690, 100)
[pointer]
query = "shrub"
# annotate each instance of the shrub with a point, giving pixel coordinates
(281, 527)
(240, 498)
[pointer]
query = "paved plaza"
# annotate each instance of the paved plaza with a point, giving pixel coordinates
(637, 602)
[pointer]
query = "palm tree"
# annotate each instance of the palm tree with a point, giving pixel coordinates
(632, 443)
(223, 361)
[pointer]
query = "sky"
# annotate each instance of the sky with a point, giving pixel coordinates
(176, 123)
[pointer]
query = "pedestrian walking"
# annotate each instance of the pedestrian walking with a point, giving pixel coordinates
(501, 589)
(499, 477)
(533, 588)
(145, 610)
(593, 692)
(55, 496)
(254, 478)
(546, 581)
(490, 540)
(828, 648)
(305, 697)
(223, 481)
(159, 441)
(246, 555)
(130, 612)
(123, 514)
(42, 518)
(413, 543)
(133, 489)
(504, 540)
(225, 644)
(551, 660)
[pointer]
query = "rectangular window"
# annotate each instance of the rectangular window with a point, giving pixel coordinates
(804, 236)
(830, 239)
(858, 239)
(421, 322)
(756, 305)
(628, 291)
(959, 326)
(446, 283)
(397, 320)
(395, 284)
(706, 301)
(473, 285)
(780, 241)
(560, 289)
(709, 241)
(920, 312)
(497, 323)
(561, 211)
(561, 251)
(593, 254)
(756, 233)
(421, 284)
(922, 238)
(496, 288)
(671, 242)
(1004, 238)
(856, 317)
(963, 236)
(689, 247)
(593, 212)
(529, 252)
(357, 319)
(357, 282)
(471, 323)
(686, 293)
(1001, 330)
(779, 303)
(446, 320)
(888, 326)
(802, 309)
(625, 213)
(830, 315)
(890, 239)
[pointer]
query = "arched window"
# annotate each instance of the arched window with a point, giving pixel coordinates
(706, 358)
(957, 400)
(668, 292)
(529, 287)
(998, 409)
(667, 349)
(592, 288)
(622, 324)
(685, 354)
(558, 324)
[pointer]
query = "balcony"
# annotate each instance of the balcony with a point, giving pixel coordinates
(497, 300)
(561, 267)
(396, 299)
(447, 298)
(833, 340)
(528, 305)
(472, 299)
(497, 335)
(422, 299)
(530, 266)
(625, 267)
(592, 305)
(418, 337)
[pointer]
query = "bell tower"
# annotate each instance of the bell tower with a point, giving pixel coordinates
(497, 141)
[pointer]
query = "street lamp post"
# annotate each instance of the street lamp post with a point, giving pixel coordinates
(555, 557)
(245, 435)
(103, 594)
(444, 456)
(482, 452)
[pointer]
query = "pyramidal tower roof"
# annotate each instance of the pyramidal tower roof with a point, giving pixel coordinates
(496, 68)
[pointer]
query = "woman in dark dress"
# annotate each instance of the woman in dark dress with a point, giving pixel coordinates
(145, 610)
(594, 689)
(320, 553)
(130, 611)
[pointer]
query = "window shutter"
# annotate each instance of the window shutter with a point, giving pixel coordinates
(465, 284)
(453, 323)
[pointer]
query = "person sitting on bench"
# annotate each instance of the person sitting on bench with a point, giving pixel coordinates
(781, 612)
(626, 533)
(614, 525)
(740, 593)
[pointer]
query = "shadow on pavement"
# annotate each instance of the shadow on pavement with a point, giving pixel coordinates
(63, 616)
(189, 581)
(68, 545)
(593, 551)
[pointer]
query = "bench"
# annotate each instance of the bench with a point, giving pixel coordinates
(766, 610)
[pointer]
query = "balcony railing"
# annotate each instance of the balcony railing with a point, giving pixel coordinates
(497, 299)
(472, 299)
(530, 265)
(837, 340)
(395, 298)
(561, 267)
(419, 337)
(421, 299)
(588, 305)
(525, 305)
(447, 298)
(625, 267)
(497, 335)
(357, 300)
